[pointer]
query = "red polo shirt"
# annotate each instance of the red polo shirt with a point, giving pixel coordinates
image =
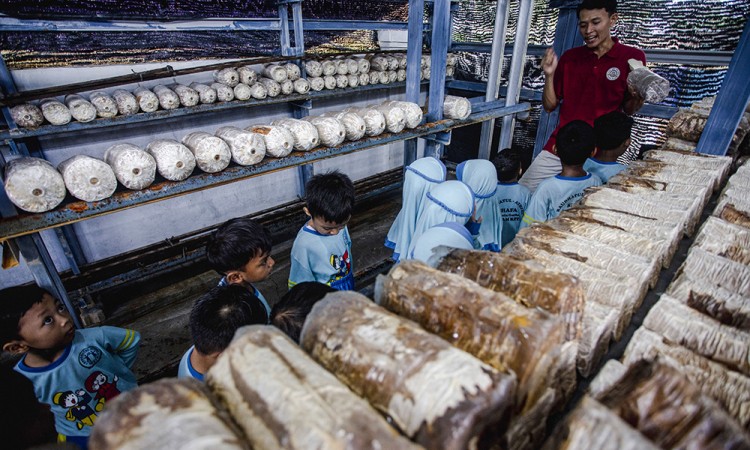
(588, 86)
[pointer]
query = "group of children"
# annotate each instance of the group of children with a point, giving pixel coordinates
(76, 372)
(486, 206)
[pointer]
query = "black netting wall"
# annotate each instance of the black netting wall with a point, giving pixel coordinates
(648, 24)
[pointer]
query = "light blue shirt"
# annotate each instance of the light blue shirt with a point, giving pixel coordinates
(92, 370)
(603, 170)
(323, 258)
(511, 199)
(555, 195)
(186, 369)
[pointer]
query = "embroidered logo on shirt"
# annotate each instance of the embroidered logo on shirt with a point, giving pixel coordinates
(613, 74)
(89, 356)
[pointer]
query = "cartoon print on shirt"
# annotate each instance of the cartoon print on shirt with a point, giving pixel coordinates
(77, 403)
(97, 383)
(342, 264)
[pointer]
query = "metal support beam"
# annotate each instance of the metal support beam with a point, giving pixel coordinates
(730, 102)
(413, 67)
(496, 72)
(516, 70)
(439, 54)
(566, 37)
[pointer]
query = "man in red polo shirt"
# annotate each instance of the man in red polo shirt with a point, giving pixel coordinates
(587, 82)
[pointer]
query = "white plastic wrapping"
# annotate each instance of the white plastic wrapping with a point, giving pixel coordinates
(258, 91)
(279, 140)
(248, 75)
(211, 153)
(352, 66)
(134, 168)
(392, 76)
(104, 103)
(228, 76)
(395, 119)
(412, 112)
(352, 80)
(317, 83)
(401, 61)
(652, 87)
(400, 75)
(33, 184)
(456, 107)
(224, 93)
(364, 79)
(242, 92)
(305, 134)
(81, 109)
(383, 77)
(363, 65)
(55, 112)
(287, 87)
(353, 124)
(330, 131)
(247, 148)
(329, 67)
(293, 71)
(342, 68)
(342, 81)
(272, 87)
(378, 63)
(168, 99)
(330, 81)
(126, 102)
(426, 73)
(275, 72)
(374, 120)
(450, 71)
(174, 161)
(206, 93)
(301, 86)
(88, 179)
(392, 62)
(147, 100)
(188, 96)
(313, 69)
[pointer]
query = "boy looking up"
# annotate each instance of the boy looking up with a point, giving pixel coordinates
(575, 143)
(612, 132)
(240, 249)
(213, 320)
(74, 371)
(322, 251)
(512, 198)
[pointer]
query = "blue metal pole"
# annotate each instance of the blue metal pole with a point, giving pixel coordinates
(566, 37)
(439, 54)
(730, 103)
(413, 67)
(496, 71)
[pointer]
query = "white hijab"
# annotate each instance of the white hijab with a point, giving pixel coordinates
(481, 177)
(451, 234)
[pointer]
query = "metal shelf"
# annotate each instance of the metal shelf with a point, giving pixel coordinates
(23, 224)
(45, 130)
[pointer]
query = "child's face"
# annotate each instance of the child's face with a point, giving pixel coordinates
(323, 226)
(46, 325)
(257, 269)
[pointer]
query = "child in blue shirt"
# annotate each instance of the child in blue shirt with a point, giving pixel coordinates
(322, 251)
(289, 314)
(240, 250)
(511, 198)
(215, 316)
(419, 178)
(481, 177)
(75, 372)
(612, 131)
(575, 143)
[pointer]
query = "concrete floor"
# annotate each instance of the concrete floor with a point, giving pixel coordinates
(163, 317)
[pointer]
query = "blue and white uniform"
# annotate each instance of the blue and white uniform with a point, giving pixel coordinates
(450, 201)
(323, 258)
(224, 282)
(556, 194)
(419, 177)
(603, 170)
(92, 370)
(511, 199)
(481, 177)
(450, 234)
(186, 369)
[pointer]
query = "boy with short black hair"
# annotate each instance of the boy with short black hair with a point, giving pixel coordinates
(215, 317)
(511, 197)
(60, 361)
(612, 131)
(240, 250)
(575, 143)
(322, 251)
(290, 312)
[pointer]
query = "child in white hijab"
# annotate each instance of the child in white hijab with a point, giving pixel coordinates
(481, 177)
(450, 234)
